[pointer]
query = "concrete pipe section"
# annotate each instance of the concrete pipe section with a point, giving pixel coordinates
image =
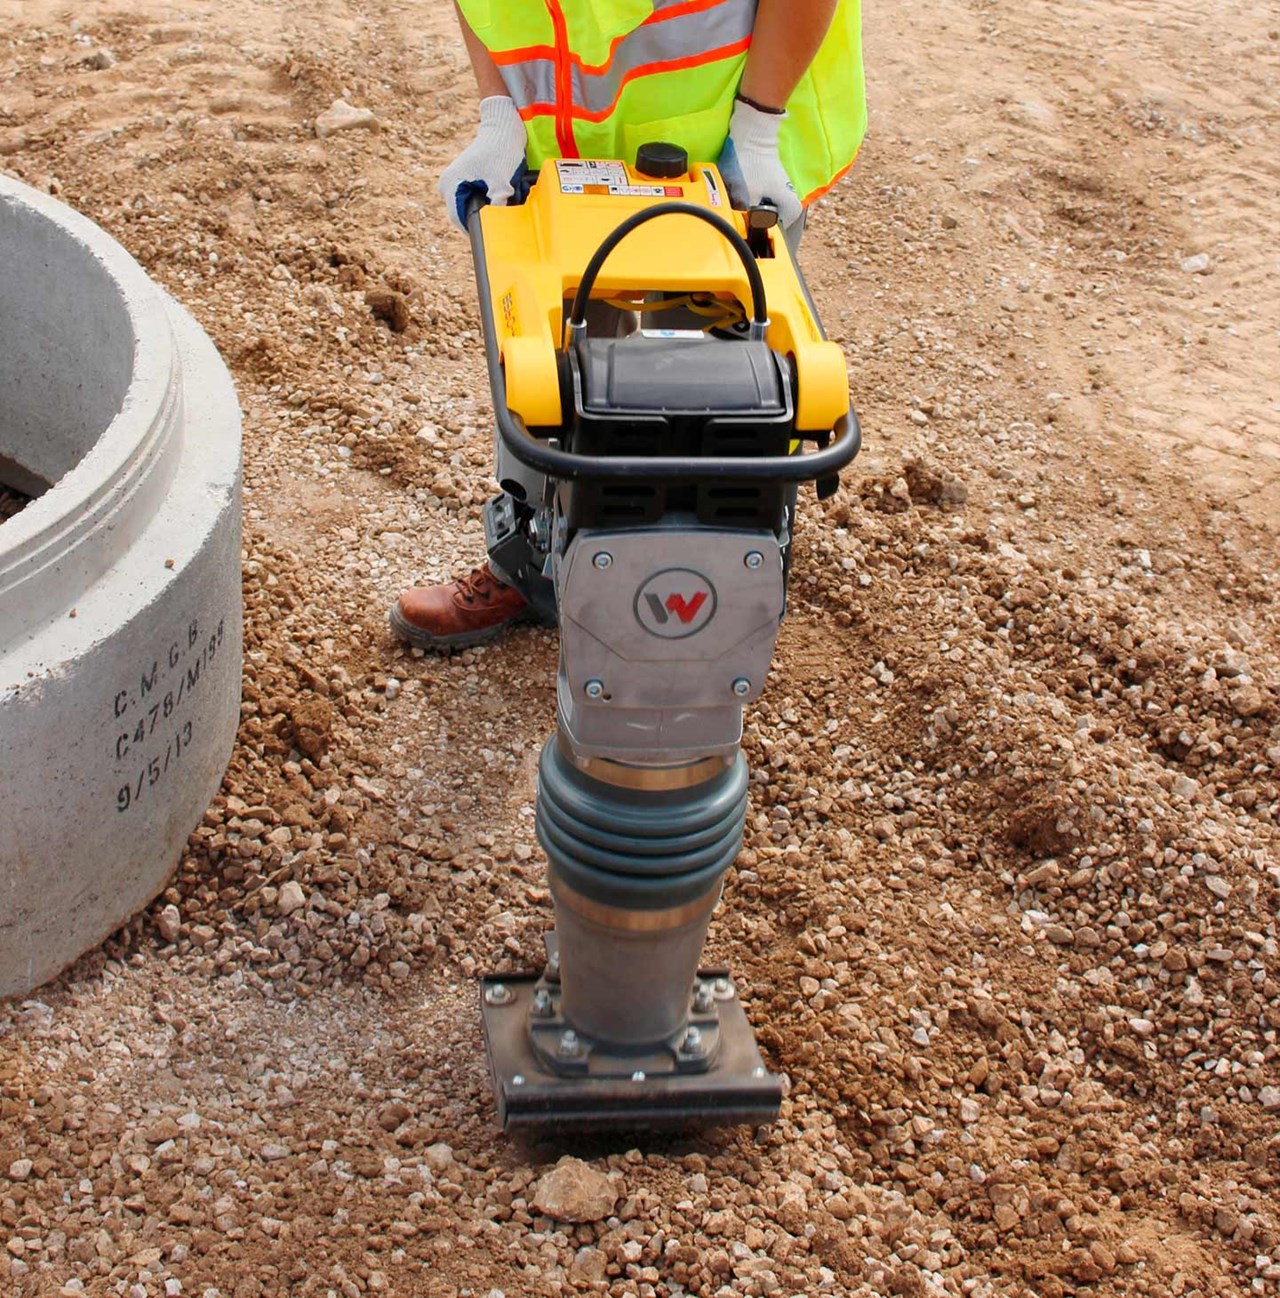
(120, 612)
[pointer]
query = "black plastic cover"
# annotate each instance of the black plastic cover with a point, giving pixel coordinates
(686, 376)
(711, 398)
(661, 161)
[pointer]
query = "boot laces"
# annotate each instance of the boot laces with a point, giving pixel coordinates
(478, 584)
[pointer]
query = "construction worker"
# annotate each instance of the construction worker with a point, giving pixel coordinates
(771, 89)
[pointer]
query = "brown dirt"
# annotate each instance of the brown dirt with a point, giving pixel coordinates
(1007, 913)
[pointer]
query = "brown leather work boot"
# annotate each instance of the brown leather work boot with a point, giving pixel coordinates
(460, 614)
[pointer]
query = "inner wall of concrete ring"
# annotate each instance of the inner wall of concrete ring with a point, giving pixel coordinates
(120, 606)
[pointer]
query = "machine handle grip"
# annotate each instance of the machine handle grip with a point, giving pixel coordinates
(477, 200)
(570, 466)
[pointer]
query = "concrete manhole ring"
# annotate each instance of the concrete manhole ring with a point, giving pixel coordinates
(120, 610)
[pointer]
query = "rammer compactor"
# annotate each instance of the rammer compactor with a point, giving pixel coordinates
(657, 368)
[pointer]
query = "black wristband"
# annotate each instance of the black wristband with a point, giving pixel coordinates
(758, 106)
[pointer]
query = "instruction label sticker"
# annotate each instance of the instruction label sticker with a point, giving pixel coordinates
(590, 176)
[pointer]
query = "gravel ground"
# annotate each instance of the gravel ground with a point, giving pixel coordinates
(1006, 915)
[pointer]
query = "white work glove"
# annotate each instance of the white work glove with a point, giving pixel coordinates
(751, 166)
(489, 165)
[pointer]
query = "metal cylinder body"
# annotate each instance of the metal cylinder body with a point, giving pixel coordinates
(635, 875)
(626, 975)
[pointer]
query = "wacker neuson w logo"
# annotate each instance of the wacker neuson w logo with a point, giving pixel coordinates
(675, 603)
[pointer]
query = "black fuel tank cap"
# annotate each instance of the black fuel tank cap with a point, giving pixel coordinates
(661, 161)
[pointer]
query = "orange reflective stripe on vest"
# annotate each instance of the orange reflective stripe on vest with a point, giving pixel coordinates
(562, 101)
(552, 80)
(663, 10)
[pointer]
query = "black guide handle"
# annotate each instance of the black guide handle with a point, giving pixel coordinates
(760, 220)
(569, 466)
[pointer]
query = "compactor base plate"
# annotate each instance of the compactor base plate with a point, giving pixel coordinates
(532, 1097)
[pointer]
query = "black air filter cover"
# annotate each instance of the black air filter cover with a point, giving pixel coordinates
(681, 376)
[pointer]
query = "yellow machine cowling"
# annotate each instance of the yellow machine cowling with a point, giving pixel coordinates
(536, 253)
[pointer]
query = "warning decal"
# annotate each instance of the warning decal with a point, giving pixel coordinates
(589, 176)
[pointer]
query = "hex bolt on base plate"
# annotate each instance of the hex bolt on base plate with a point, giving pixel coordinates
(613, 1091)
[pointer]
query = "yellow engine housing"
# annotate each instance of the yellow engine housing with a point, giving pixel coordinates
(535, 255)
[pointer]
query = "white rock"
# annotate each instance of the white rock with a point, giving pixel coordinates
(1198, 265)
(99, 60)
(1185, 787)
(969, 1111)
(1269, 1098)
(438, 1158)
(168, 923)
(342, 116)
(575, 1191)
(291, 898)
(590, 1264)
(20, 1169)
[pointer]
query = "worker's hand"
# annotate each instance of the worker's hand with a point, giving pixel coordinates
(490, 164)
(751, 166)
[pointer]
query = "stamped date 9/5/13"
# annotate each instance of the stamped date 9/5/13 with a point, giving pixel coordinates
(158, 737)
(155, 768)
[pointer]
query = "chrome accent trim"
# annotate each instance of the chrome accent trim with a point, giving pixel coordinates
(635, 921)
(654, 779)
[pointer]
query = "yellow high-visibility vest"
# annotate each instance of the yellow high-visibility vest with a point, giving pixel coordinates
(598, 78)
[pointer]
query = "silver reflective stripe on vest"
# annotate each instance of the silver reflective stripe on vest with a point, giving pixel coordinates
(533, 82)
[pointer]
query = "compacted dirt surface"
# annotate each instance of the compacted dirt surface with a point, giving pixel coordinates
(1006, 918)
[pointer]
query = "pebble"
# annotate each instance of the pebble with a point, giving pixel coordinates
(169, 923)
(99, 60)
(291, 898)
(1049, 872)
(573, 1191)
(438, 1158)
(162, 1130)
(20, 1169)
(393, 307)
(342, 116)
(1199, 264)
(393, 1115)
